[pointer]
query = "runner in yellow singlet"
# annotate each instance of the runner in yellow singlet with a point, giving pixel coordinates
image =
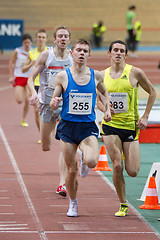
(120, 135)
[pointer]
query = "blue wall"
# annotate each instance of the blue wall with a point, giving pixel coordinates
(11, 31)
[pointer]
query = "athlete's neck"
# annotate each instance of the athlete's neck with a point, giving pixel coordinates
(78, 69)
(61, 53)
(117, 67)
(41, 48)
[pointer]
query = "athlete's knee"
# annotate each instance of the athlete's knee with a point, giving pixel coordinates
(91, 162)
(132, 172)
(72, 170)
(19, 101)
(118, 168)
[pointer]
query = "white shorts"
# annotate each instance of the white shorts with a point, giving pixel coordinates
(47, 114)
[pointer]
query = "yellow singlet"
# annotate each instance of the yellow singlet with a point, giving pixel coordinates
(124, 99)
(34, 54)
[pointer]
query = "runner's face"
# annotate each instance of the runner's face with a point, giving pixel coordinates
(62, 38)
(118, 53)
(41, 39)
(80, 53)
(27, 45)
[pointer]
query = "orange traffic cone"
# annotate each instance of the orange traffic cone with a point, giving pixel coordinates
(103, 162)
(151, 200)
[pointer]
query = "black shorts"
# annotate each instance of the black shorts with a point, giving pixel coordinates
(36, 88)
(75, 132)
(124, 134)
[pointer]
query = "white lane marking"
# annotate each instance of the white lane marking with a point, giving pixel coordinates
(7, 221)
(58, 205)
(4, 198)
(5, 88)
(13, 225)
(7, 213)
(16, 228)
(78, 232)
(23, 187)
(4, 66)
(130, 205)
(5, 205)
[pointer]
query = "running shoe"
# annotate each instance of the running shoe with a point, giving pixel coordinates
(73, 208)
(24, 123)
(123, 210)
(61, 190)
(83, 169)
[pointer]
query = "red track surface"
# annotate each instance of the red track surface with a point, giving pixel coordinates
(30, 208)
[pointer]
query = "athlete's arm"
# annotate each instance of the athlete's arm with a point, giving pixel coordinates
(28, 64)
(105, 97)
(12, 66)
(144, 82)
(100, 104)
(38, 67)
(59, 86)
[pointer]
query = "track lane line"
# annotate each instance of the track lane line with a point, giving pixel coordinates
(23, 187)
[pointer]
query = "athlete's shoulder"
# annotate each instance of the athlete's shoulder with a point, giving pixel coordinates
(98, 75)
(62, 74)
(107, 70)
(136, 69)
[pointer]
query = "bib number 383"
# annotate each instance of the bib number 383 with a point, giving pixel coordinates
(80, 103)
(119, 102)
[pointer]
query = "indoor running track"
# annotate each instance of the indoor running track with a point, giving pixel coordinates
(30, 208)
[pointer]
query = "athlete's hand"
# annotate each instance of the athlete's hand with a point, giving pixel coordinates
(55, 102)
(12, 80)
(33, 100)
(112, 110)
(142, 123)
(107, 116)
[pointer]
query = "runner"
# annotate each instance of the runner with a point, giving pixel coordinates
(121, 134)
(77, 125)
(48, 64)
(19, 79)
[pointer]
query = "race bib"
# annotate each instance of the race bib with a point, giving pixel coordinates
(80, 103)
(119, 101)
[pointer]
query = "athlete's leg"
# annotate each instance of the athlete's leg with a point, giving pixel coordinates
(46, 130)
(62, 169)
(132, 157)
(114, 148)
(69, 154)
(89, 147)
(37, 117)
(19, 94)
(26, 103)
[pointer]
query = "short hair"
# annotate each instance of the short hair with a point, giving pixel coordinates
(41, 31)
(61, 27)
(117, 41)
(100, 23)
(133, 7)
(82, 41)
(26, 36)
